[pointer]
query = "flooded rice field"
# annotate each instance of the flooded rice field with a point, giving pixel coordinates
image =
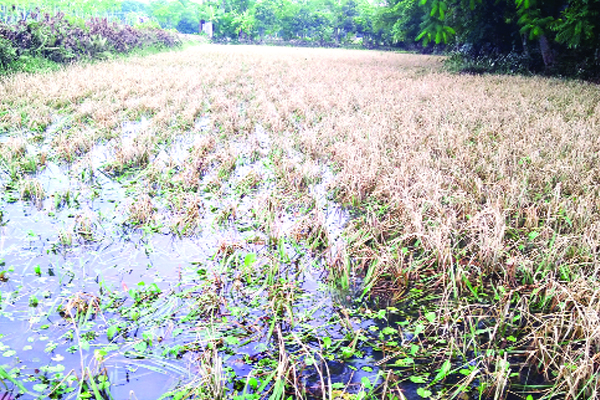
(183, 268)
(246, 222)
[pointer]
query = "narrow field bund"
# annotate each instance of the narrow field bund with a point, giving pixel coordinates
(407, 231)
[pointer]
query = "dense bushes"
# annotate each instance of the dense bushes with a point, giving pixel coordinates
(569, 63)
(554, 37)
(8, 53)
(62, 39)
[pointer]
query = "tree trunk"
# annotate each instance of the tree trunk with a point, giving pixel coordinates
(547, 53)
(524, 43)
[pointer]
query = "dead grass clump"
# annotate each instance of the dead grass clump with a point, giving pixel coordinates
(210, 368)
(265, 214)
(294, 175)
(227, 247)
(13, 149)
(134, 153)
(81, 305)
(65, 237)
(566, 339)
(189, 178)
(187, 213)
(488, 228)
(141, 211)
(86, 227)
(196, 164)
(248, 183)
(313, 231)
(199, 153)
(226, 215)
(72, 144)
(32, 189)
(226, 158)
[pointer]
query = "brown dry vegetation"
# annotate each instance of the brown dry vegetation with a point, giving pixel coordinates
(463, 183)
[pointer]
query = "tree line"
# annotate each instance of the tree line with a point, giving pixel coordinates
(556, 36)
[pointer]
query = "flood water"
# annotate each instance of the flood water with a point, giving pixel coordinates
(87, 293)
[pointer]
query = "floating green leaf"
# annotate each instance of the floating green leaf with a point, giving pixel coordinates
(112, 331)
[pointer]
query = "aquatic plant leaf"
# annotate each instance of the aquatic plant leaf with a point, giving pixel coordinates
(443, 372)
(112, 331)
(418, 379)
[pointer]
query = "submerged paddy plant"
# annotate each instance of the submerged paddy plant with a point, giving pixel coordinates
(31, 189)
(141, 210)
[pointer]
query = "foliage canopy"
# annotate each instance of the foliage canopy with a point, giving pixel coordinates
(559, 36)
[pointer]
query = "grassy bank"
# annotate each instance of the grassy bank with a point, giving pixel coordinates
(474, 199)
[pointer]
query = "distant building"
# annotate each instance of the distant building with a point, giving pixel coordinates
(206, 27)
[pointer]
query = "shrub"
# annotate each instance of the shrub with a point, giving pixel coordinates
(63, 39)
(8, 53)
(465, 59)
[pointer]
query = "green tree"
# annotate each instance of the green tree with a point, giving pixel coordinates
(398, 21)
(266, 17)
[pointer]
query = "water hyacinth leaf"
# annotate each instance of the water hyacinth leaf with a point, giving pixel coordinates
(249, 260)
(231, 340)
(253, 383)
(389, 331)
(55, 369)
(366, 382)
(414, 348)
(112, 331)
(177, 332)
(420, 328)
(9, 353)
(404, 362)
(103, 382)
(444, 371)
(430, 316)
(347, 352)
(50, 347)
(140, 346)
(154, 288)
(418, 379)
(40, 387)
